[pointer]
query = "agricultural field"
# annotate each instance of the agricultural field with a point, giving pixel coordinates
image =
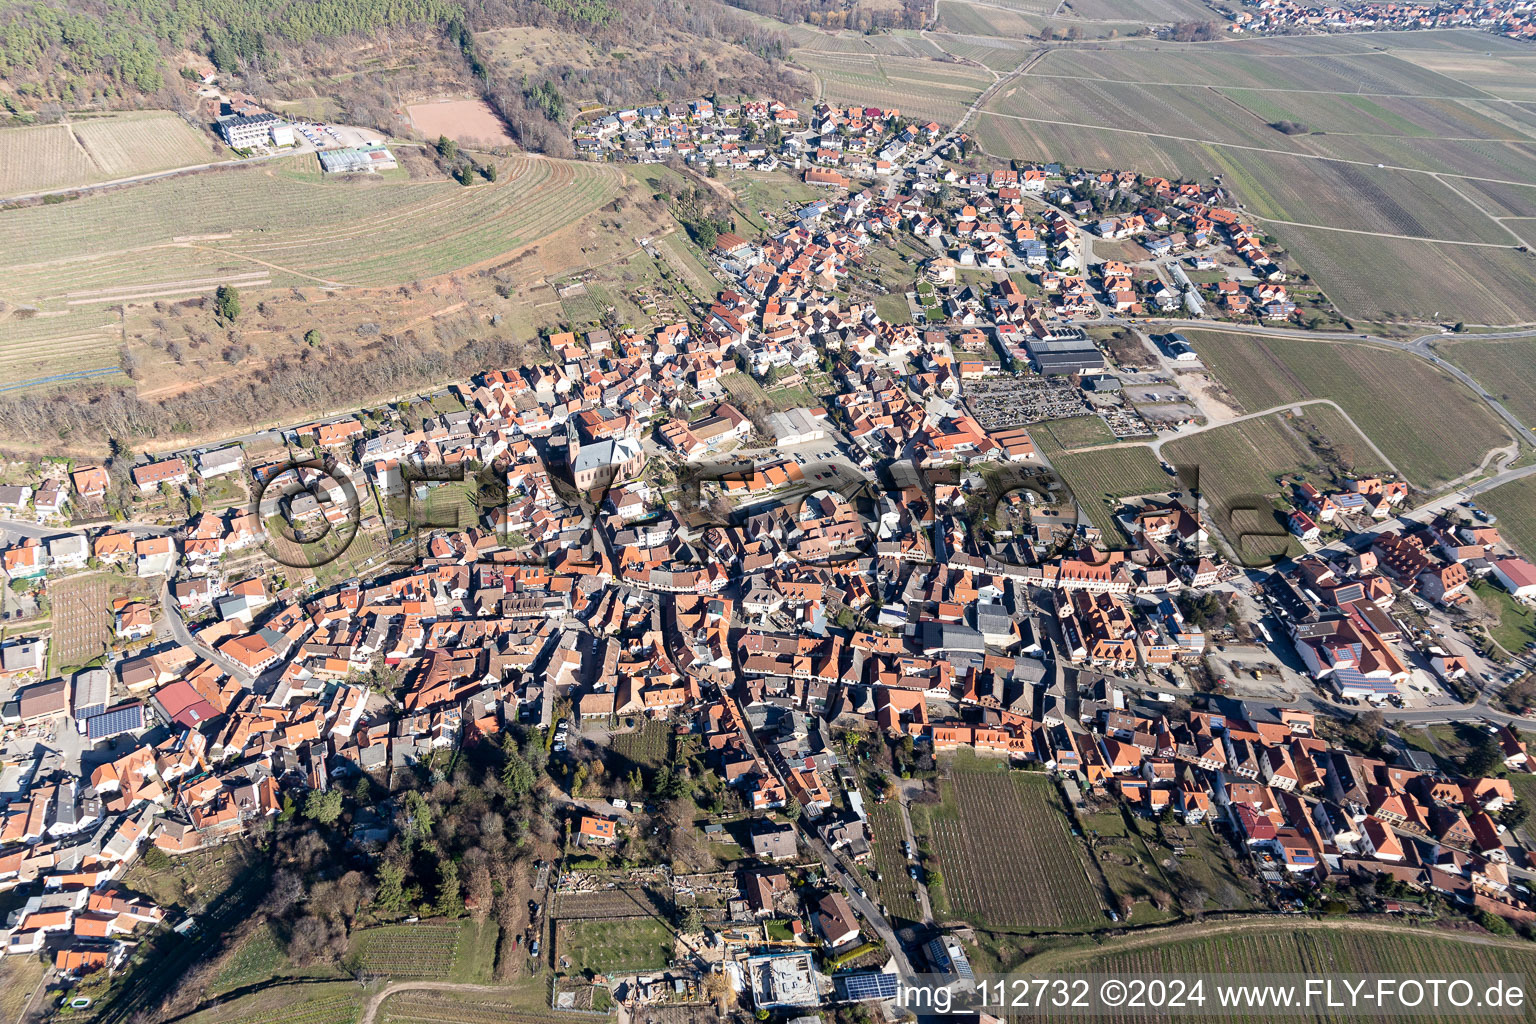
(622, 901)
(1100, 477)
(1397, 399)
(1378, 278)
(608, 946)
(434, 950)
(1268, 947)
(1515, 505)
(97, 148)
(121, 145)
(276, 226)
(82, 618)
(1393, 159)
(646, 748)
(337, 1002)
(44, 157)
(526, 1007)
(19, 978)
(895, 888)
(918, 88)
(1503, 366)
(1007, 859)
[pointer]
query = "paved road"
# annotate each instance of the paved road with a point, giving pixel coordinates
(22, 528)
(184, 636)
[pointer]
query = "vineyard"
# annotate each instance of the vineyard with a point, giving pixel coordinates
(128, 144)
(32, 159)
(425, 950)
(609, 946)
(894, 889)
(916, 87)
(97, 149)
(624, 901)
(1296, 946)
(1100, 477)
(1007, 859)
(278, 225)
(319, 1003)
(1397, 399)
(447, 1008)
(1515, 505)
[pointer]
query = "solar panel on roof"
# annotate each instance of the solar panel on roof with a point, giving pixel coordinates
(868, 985)
(115, 722)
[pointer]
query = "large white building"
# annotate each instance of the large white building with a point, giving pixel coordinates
(242, 131)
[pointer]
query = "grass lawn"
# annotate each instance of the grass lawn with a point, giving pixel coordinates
(605, 946)
(1080, 431)
(1517, 623)
(893, 308)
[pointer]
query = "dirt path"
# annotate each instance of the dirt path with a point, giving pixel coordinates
(371, 1008)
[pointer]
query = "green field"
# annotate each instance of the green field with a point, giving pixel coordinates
(527, 1004)
(1398, 400)
(606, 946)
(1080, 432)
(1515, 505)
(338, 1002)
(1517, 623)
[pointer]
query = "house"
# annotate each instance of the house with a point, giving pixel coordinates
(91, 483)
(221, 461)
(595, 831)
(171, 472)
(836, 920)
(774, 841)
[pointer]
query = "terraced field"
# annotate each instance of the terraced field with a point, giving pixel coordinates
(1399, 400)
(279, 224)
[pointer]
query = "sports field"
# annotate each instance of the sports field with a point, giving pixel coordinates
(1429, 425)
(277, 224)
(97, 148)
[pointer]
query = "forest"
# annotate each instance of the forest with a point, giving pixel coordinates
(58, 54)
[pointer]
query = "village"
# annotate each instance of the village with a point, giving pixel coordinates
(612, 540)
